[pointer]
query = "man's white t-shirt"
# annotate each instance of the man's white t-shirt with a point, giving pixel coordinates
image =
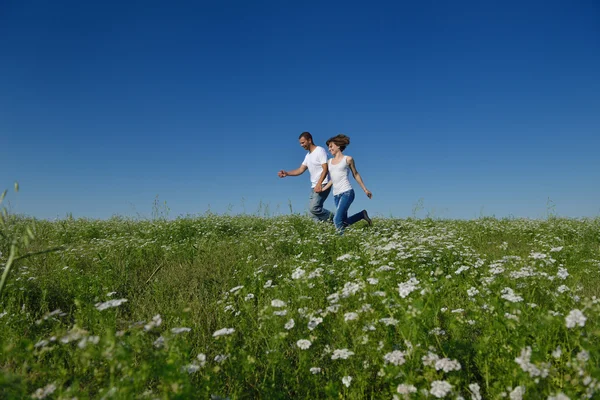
(314, 161)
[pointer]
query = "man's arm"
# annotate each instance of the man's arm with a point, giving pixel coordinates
(318, 187)
(295, 172)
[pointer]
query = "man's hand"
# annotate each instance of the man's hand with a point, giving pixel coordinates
(318, 188)
(282, 174)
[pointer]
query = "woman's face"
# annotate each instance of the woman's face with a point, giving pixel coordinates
(333, 148)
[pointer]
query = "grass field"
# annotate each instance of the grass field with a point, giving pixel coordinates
(252, 307)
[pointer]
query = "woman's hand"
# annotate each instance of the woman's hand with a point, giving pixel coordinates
(368, 193)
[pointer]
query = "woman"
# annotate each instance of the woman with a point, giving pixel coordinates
(343, 194)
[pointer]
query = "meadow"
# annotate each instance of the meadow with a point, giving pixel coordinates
(244, 307)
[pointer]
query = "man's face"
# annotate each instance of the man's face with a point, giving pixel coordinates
(305, 143)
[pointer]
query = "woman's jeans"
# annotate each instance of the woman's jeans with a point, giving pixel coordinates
(342, 204)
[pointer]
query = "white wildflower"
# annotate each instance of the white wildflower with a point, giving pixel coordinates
(583, 356)
(496, 269)
(509, 294)
(156, 321)
(562, 289)
(437, 331)
(346, 380)
(369, 328)
(303, 344)
(277, 303)
(110, 304)
(72, 335)
(289, 325)
(562, 273)
(373, 281)
(235, 289)
(447, 365)
(472, 291)
(475, 391)
(406, 288)
(341, 354)
(389, 321)
(221, 357)
(44, 392)
(88, 339)
(223, 332)
(315, 370)
(440, 389)
(575, 318)
(316, 273)
(179, 330)
(160, 342)
(314, 322)
(268, 284)
(430, 359)
(366, 308)
(191, 368)
(527, 366)
(249, 296)
(202, 359)
(557, 352)
(333, 308)
(461, 269)
(298, 273)
(406, 389)
(559, 396)
(396, 357)
(351, 316)
(351, 288)
(511, 316)
(517, 393)
(333, 298)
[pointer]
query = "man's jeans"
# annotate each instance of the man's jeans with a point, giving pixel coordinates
(315, 205)
(342, 204)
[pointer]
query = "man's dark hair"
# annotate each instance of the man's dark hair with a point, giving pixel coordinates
(306, 135)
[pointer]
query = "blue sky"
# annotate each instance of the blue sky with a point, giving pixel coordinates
(480, 108)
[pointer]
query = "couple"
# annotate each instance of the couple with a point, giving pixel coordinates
(326, 173)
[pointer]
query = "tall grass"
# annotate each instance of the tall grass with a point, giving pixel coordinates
(254, 307)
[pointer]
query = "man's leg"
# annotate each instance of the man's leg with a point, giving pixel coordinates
(315, 206)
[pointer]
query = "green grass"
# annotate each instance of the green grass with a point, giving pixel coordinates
(459, 313)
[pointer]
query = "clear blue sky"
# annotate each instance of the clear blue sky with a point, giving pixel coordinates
(477, 107)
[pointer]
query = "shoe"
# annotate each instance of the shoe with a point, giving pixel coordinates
(366, 218)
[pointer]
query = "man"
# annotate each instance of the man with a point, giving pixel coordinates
(316, 163)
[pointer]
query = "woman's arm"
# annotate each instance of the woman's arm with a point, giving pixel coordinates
(357, 176)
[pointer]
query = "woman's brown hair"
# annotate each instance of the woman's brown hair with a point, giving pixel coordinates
(340, 140)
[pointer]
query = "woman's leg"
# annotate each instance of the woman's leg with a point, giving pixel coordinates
(359, 216)
(343, 202)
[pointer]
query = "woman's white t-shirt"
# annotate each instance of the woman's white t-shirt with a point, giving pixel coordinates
(339, 176)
